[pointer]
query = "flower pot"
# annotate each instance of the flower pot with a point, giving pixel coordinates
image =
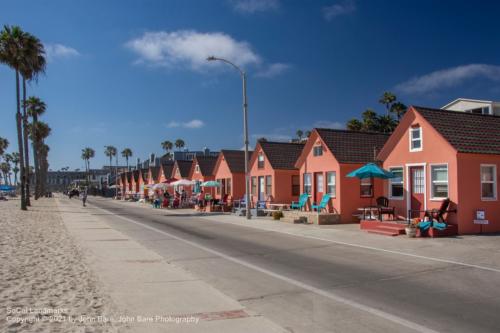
(411, 232)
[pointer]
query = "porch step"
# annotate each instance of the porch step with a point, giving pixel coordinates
(397, 229)
(383, 232)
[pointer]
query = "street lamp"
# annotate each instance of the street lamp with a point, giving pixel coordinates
(245, 130)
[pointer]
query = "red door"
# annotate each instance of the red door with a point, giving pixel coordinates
(417, 186)
(319, 186)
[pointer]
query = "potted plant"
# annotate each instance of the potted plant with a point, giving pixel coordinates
(277, 215)
(411, 229)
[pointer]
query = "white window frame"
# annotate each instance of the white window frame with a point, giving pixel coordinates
(391, 197)
(307, 184)
(411, 139)
(197, 168)
(334, 184)
(434, 198)
(408, 184)
(495, 183)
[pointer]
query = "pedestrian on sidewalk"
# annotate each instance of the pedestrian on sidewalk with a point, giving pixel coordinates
(84, 197)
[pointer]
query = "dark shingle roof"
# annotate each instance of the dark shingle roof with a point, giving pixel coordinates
(207, 164)
(136, 174)
(184, 167)
(352, 146)
(129, 176)
(466, 132)
(282, 155)
(167, 167)
(235, 159)
(154, 172)
(145, 174)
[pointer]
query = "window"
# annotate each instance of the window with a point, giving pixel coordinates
(488, 182)
(218, 187)
(295, 185)
(260, 161)
(331, 187)
(396, 183)
(439, 181)
(197, 168)
(228, 186)
(307, 183)
(318, 150)
(254, 185)
(366, 187)
(416, 138)
(483, 110)
(269, 185)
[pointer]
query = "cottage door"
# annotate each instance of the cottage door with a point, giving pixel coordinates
(318, 187)
(262, 189)
(417, 186)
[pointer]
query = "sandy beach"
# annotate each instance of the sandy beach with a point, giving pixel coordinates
(45, 285)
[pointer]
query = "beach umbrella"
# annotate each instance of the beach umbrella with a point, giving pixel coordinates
(371, 170)
(210, 183)
(182, 182)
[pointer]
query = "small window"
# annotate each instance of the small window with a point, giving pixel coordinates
(318, 150)
(396, 184)
(416, 138)
(219, 187)
(366, 187)
(260, 162)
(296, 185)
(307, 183)
(269, 185)
(197, 169)
(228, 186)
(439, 181)
(254, 185)
(331, 187)
(488, 182)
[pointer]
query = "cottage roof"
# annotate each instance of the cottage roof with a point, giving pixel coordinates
(282, 155)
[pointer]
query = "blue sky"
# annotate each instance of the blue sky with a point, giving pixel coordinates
(132, 73)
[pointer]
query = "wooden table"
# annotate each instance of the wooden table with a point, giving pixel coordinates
(280, 207)
(370, 210)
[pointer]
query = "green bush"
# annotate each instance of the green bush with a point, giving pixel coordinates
(277, 215)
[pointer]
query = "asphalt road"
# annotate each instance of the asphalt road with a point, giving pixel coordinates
(308, 285)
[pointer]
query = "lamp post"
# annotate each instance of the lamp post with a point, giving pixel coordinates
(245, 130)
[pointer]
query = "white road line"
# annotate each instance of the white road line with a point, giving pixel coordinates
(330, 295)
(447, 261)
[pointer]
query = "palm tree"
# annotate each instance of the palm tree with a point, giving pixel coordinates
(44, 165)
(354, 125)
(12, 53)
(386, 124)
(38, 132)
(300, 134)
(87, 154)
(110, 152)
(179, 144)
(4, 143)
(399, 109)
(15, 169)
(167, 146)
(36, 108)
(307, 134)
(127, 152)
(5, 169)
(387, 99)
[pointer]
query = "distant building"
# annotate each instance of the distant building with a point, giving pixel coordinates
(60, 180)
(474, 106)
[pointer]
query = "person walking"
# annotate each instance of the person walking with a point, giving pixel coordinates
(84, 197)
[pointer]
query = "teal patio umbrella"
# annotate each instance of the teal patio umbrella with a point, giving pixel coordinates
(210, 183)
(371, 170)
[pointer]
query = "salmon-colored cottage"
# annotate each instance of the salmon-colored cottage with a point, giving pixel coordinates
(328, 156)
(440, 154)
(273, 174)
(230, 173)
(165, 173)
(136, 179)
(202, 170)
(181, 169)
(154, 175)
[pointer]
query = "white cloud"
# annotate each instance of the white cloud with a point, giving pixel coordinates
(449, 77)
(338, 9)
(252, 6)
(329, 124)
(54, 51)
(195, 123)
(273, 70)
(190, 48)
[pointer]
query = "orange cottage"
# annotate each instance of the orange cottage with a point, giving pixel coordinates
(154, 175)
(442, 154)
(273, 175)
(202, 170)
(136, 176)
(230, 173)
(328, 156)
(181, 170)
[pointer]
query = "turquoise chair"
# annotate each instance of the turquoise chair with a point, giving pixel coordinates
(323, 204)
(301, 203)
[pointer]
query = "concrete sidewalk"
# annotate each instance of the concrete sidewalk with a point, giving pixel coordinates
(480, 251)
(149, 293)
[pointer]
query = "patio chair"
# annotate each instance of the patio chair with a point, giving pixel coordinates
(323, 203)
(241, 203)
(438, 214)
(301, 203)
(383, 208)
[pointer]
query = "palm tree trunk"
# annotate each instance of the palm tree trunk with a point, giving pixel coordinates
(20, 144)
(36, 146)
(126, 158)
(25, 142)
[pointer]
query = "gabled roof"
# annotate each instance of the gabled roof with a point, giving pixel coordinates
(155, 172)
(207, 164)
(281, 155)
(129, 176)
(136, 174)
(466, 132)
(145, 174)
(167, 167)
(352, 146)
(184, 167)
(235, 159)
